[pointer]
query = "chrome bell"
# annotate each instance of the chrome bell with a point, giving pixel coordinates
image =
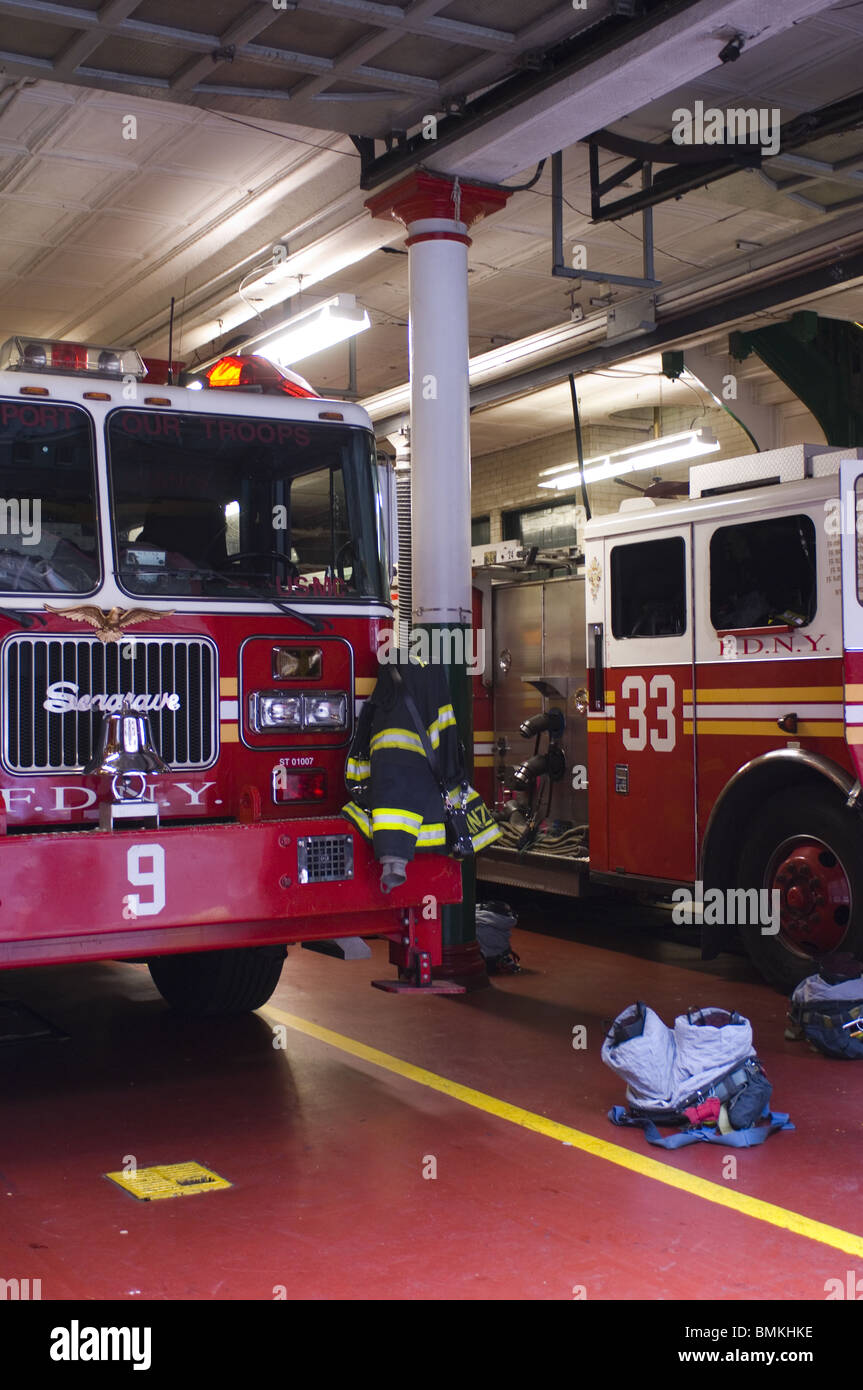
(125, 744)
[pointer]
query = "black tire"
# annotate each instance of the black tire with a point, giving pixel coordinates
(812, 829)
(219, 982)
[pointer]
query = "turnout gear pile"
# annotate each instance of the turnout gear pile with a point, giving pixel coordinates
(396, 800)
(494, 922)
(827, 1008)
(702, 1073)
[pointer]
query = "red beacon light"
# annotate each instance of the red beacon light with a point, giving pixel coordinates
(251, 372)
(20, 354)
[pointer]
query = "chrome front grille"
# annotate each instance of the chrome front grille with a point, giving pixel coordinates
(38, 740)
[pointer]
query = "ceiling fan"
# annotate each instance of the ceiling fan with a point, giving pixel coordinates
(658, 487)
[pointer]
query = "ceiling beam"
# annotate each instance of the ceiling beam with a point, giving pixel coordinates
(186, 40)
(400, 21)
(533, 38)
(80, 48)
(347, 65)
(248, 26)
(601, 80)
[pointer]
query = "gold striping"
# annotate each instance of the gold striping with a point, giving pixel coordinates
(759, 695)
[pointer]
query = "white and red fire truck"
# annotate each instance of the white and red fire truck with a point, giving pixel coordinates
(708, 656)
(214, 560)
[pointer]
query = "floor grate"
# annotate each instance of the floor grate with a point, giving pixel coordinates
(169, 1180)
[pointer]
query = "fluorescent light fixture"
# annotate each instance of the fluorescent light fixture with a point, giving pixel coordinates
(669, 448)
(500, 360)
(311, 331)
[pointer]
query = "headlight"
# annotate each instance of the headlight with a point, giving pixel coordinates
(328, 710)
(274, 709)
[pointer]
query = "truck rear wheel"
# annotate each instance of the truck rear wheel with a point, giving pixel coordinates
(219, 982)
(808, 847)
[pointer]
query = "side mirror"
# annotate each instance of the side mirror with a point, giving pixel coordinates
(389, 512)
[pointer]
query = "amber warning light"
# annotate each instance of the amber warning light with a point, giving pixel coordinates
(249, 372)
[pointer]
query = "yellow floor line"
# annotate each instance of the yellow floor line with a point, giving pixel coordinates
(600, 1148)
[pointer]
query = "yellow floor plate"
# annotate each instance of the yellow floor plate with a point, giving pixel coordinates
(170, 1180)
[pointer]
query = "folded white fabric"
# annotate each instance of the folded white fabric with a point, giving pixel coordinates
(646, 1060)
(664, 1067)
(707, 1042)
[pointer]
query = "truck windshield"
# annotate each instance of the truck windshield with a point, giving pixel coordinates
(232, 507)
(48, 522)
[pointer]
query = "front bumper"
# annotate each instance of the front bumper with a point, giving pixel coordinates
(96, 895)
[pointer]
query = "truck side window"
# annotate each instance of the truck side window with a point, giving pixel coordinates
(762, 574)
(648, 588)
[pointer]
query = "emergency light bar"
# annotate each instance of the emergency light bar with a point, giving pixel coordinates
(69, 359)
(251, 372)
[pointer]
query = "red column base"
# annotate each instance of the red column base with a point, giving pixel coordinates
(463, 963)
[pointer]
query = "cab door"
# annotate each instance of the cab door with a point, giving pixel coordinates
(650, 771)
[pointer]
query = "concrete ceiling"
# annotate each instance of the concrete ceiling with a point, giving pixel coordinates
(348, 65)
(105, 219)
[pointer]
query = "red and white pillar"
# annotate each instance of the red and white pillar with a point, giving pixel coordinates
(437, 213)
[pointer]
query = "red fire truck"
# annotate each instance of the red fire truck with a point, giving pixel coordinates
(707, 655)
(213, 562)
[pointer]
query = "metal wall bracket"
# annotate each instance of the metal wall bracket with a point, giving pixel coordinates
(645, 282)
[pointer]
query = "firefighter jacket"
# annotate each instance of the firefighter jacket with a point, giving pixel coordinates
(395, 800)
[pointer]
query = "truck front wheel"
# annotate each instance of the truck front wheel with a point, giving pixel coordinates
(805, 855)
(219, 982)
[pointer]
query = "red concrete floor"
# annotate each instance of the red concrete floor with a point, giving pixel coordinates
(326, 1151)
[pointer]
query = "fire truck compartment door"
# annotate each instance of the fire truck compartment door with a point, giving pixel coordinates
(650, 770)
(851, 516)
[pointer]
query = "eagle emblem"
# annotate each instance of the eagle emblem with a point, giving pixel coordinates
(109, 624)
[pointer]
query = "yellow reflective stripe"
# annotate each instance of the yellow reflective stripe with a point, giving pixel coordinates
(359, 817)
(486, 837)
(398, 738)
(433, 732)
(434, 834)
(388, 818)
(446, 717)
(357, 770)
